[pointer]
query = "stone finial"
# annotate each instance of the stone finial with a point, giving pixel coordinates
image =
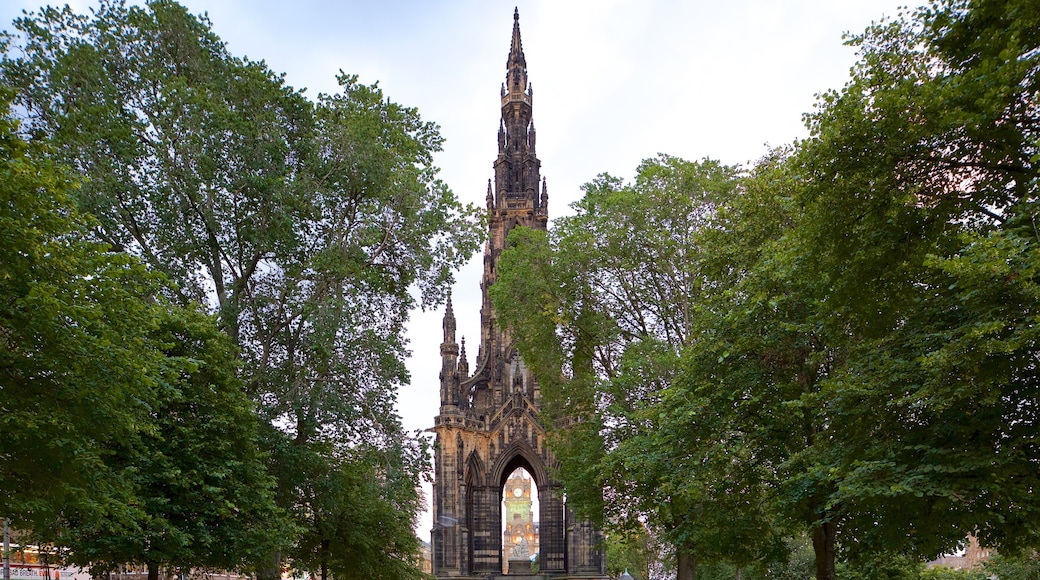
(463, 362)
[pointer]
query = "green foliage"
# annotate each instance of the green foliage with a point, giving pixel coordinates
(870, 346)
(307, 223)
(199, 477)
(614, 288)
(742, 417)
(944, 573)
(360, 513)
(1014, 567)
(144, 447)
(799, 564)
(845, 343)
(636, 552)
(919, 207)
(79, 372)
(886, 566)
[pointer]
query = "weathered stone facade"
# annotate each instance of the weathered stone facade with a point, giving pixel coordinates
(489, 421)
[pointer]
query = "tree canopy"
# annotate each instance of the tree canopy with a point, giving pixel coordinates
(303, 225)
(847, 342)
(130, 437)
(78, 370)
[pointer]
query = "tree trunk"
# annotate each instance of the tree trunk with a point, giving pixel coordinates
(740, 574)
(324, 560)
(687, 566)
(823, 536)
(153, 570)
(273, 571)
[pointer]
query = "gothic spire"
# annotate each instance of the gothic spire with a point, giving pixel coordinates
(516, 50)
(516, 65)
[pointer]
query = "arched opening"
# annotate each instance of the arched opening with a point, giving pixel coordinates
(520, 519)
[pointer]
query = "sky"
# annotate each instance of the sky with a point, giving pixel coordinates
(614, 82)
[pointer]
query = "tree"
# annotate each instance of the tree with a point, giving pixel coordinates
(615, 287)
(743, 416)
(199, 476)
(636, 553)
(1014, 568)
(78, 370)
(306, 224)
(144, 431)
(921, 185)
(361, 511)
(860, 357)
(889, 317)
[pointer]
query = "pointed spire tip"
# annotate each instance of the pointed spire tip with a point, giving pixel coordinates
(516, 51)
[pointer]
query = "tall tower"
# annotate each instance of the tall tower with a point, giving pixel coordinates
(489, 422)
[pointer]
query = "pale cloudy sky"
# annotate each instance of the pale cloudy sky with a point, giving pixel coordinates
(614, 82)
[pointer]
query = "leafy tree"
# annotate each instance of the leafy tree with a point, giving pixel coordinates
(893, 567)
(637, 553)
(919, 201)
(1014, 567)
(800, 563)
(743, 417)
(199, 476)
(862, 352)
(78, 369)
(306, 224)
(144, 433)
(361, 515)
(875, 353)
(616, 286)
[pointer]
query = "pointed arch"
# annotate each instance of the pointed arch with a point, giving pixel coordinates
(519, 454)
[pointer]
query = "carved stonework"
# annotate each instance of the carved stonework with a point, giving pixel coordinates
(489, 421)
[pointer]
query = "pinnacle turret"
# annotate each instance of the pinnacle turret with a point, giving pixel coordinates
(449, 359)
(449, 323)
(543, 207)
(463, 362)
(517, 167)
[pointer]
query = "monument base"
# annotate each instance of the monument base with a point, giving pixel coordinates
(519, 566)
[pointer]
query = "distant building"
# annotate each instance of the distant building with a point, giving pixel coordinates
(426, 558)
(31, 562)
(974, 556)
(520, 535)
